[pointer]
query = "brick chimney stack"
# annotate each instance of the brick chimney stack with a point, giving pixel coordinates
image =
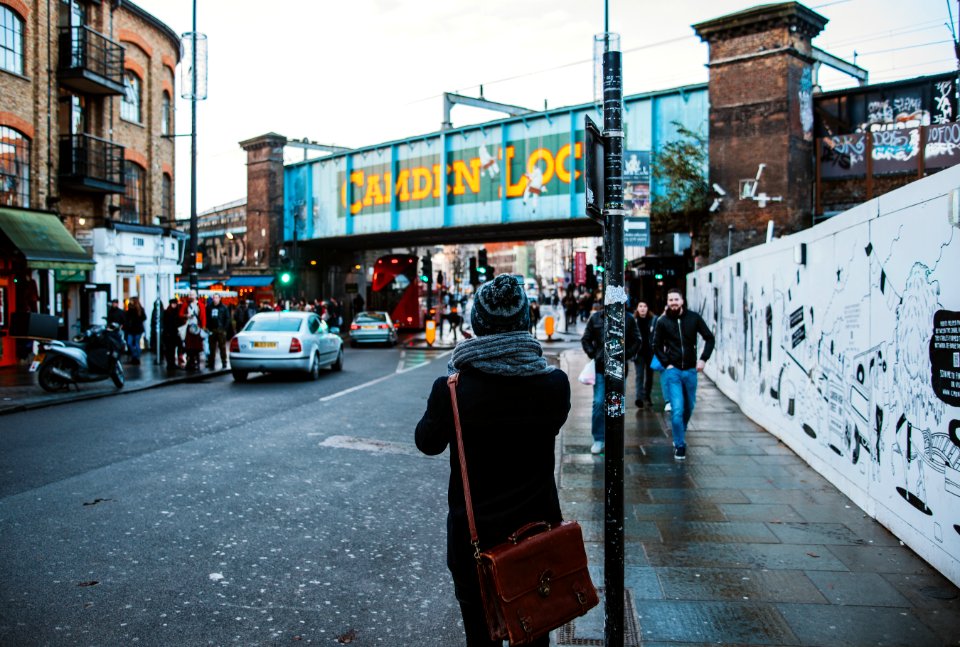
(264, 199)
(761, 112)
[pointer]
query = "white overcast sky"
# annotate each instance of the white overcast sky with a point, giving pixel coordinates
(360, 72)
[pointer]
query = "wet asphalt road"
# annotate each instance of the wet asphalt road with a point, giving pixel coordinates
(268, 513)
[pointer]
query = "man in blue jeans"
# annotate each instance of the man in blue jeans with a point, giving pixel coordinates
(675, 345)
(592, 343)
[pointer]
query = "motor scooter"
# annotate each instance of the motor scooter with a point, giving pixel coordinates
(92, 356)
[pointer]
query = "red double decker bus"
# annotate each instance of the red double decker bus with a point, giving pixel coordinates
(397, 289)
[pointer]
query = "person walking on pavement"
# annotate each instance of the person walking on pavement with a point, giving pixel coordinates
(675, 345)
(218, 325)
(509, 444)
(644, 378)
(195, 316)
(243, 313)
(170, 335)
(114, 313)
(593, 343)
(133, 329)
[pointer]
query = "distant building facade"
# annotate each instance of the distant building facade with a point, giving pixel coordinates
(92, 144)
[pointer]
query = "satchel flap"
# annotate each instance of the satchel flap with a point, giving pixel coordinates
(518, 568)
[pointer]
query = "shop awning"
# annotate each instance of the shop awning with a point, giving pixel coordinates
(201, 284)
(43, 240)
(248, 281)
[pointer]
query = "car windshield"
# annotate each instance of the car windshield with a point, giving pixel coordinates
(283, 324)
(371, 317)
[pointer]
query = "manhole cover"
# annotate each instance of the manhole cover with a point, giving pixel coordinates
(567, 634)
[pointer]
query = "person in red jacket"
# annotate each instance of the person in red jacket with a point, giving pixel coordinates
(194, 314)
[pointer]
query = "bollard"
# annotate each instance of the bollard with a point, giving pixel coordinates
(431, 331)
(548, 327)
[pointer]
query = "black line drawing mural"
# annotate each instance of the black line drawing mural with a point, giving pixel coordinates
(868, 390)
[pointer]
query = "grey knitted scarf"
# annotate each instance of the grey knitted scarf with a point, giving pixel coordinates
(508, 353)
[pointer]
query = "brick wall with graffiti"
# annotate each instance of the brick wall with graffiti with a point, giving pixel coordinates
(844, 341)
(873, 139)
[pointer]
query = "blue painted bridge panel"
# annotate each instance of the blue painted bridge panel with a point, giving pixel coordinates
(515, 170)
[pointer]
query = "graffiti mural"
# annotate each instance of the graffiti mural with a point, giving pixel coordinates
(852, 357)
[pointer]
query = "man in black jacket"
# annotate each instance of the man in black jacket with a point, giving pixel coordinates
(218, 324)
(592, 343)
(675, 345)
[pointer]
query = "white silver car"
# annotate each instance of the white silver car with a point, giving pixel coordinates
(373, 326)
(285, 341)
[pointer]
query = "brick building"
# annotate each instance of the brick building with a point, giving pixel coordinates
(85, 149)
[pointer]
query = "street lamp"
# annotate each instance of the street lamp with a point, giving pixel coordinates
(195, 45)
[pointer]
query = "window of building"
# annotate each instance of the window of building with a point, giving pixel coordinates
(166, 114)
(11, 41)
(14, 168)
(134, 199)
(130, 101)
(166, 200)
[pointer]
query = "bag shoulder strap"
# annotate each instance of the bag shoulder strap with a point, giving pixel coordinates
(452, 382)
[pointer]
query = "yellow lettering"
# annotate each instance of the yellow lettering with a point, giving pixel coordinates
(402, 188)
(545, 155)
(438, 180)
(373, 195)
(513, 190)
(563, 174)
(422, 183)
(471, 175)
(356, 178)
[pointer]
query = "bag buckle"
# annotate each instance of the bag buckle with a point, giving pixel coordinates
(476, 550)
(544, 587)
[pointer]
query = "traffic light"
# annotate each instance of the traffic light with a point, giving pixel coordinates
(484, 271)
(285, 277)
(599, 268)
(427, 272)
(474, 275)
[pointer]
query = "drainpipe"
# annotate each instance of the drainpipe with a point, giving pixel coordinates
(49, 109)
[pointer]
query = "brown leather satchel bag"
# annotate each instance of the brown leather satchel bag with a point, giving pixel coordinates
(537, 580)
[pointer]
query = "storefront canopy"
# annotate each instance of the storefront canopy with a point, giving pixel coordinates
(43, 240)
(248, 281)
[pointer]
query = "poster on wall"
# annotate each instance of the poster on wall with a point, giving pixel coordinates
(945, 356)
(3, 307)
(636, 182)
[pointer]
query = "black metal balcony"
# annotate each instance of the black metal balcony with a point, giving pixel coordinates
(88, 163)
(90, 63)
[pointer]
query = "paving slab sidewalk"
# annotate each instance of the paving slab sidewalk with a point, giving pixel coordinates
(743, 543)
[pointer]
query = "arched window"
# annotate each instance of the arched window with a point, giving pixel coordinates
(134, 199)
(166, 200)
(11, 40)
(14, 168)
(166, 114)
(130, 101)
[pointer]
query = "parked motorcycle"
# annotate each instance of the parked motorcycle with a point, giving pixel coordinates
(92, 356)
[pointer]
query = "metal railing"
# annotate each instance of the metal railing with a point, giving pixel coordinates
(84, 49)
(92, 161)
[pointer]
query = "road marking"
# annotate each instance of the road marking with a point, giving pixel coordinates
(399, 371)
(370, 445)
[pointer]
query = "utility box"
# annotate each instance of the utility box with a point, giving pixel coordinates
(33, 325)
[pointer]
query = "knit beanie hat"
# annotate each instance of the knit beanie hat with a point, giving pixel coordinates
(499, 306)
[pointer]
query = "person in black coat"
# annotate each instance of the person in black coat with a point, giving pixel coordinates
(592, 343)
(644, 378)
(509, 444)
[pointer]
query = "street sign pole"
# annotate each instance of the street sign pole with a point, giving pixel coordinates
(614, 300)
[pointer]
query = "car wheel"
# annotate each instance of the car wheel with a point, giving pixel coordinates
(314, 372)
(338, 365)
(238, 375)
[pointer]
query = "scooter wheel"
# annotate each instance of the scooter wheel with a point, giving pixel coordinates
(50, 381)
(117, 375)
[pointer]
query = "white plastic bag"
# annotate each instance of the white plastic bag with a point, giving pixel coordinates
(589, 374)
